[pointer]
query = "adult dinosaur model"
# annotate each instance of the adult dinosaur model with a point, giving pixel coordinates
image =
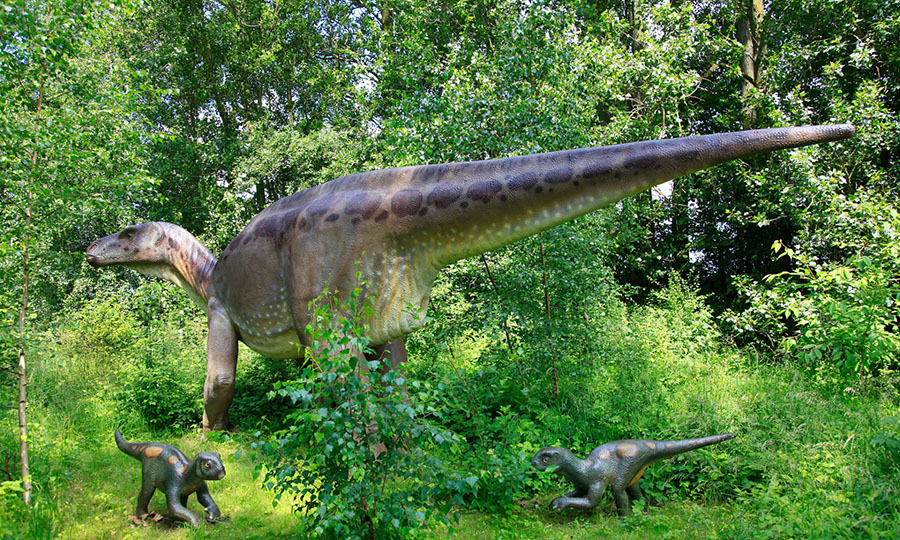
(165, 468)
(617, 464)
(402, 226)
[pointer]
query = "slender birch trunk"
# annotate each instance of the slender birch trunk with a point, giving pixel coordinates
(23, 396)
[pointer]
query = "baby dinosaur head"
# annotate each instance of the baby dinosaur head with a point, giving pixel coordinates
(550, 458)
(209, 466)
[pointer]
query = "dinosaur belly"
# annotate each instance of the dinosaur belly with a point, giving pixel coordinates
(284, 344)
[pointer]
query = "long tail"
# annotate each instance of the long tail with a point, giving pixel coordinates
(671, 448)
(130, 448)
(477, 206)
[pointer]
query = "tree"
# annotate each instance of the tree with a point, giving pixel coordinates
(65, 151)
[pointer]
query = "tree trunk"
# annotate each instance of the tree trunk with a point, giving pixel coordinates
(748, 34)
(554, 373)
(23, 396)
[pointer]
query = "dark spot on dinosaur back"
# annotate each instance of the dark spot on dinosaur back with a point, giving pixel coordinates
(302, 225)
(423, 211)
(444, 195)
(523, 181)
(688, 155)
(406, 202)
(173, 244)
(319, 207)
(640, 161)
(484, 191)
(558, 176)
(594, 170)
(428, 174)
(364, 204)
(463, 204)
(503, 198)
(234, 243)
(357, 220)
(267, 228)
(538, 189)
(382, 216)
(332, 217)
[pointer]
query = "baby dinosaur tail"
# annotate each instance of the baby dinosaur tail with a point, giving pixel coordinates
(670, 448)
(132, 449)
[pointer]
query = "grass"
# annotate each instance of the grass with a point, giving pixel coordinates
(810, 461)
(98, 499)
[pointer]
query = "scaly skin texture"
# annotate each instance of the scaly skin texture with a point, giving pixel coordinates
(617, 464)
(401, 226)
(165, 468)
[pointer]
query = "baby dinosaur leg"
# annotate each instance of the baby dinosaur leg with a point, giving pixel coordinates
(623, 505)
(634, 492)
(179, 511)
(589, 499)
(147, 490)
(207, 501)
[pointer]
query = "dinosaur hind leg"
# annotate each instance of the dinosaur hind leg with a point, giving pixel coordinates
(147, 490)
(623, 505)
(634, 492)
(397, 351)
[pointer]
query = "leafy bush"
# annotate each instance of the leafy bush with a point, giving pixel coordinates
(358, 455)
(837, 314)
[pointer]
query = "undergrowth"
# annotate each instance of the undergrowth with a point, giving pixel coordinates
(808, 462)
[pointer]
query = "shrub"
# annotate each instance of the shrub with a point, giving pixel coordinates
(345, 410)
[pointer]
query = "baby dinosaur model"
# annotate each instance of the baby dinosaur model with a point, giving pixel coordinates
(401, 226)
(617, 464)
(165, 468)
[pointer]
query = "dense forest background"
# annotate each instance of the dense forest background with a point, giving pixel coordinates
(759, 297)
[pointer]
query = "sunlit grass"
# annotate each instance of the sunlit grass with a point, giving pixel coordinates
(104, 492)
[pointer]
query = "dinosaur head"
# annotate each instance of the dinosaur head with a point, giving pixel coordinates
(209, 466)
(134, 246)
(550, 458)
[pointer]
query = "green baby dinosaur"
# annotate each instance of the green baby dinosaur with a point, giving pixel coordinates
(618, 464)
(164, 467)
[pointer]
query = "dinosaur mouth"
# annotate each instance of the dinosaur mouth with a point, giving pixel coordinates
(93, 260)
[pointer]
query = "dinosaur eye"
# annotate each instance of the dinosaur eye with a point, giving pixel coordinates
(206, 465)
(545, 459)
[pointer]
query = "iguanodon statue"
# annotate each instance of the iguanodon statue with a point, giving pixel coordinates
(401, 225)
(618, 465)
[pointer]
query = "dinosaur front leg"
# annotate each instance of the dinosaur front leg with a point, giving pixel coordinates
(221, 363)
(207, 501)
(179, 511)
(589, 499)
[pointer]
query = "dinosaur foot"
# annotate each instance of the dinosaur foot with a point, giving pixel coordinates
(152, 518)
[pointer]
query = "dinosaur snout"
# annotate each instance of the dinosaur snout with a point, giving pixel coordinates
(91, 256)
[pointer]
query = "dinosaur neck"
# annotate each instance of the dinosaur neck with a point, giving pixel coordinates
(193, 264)
(571, 467)
(187, 263)
(191, 476)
